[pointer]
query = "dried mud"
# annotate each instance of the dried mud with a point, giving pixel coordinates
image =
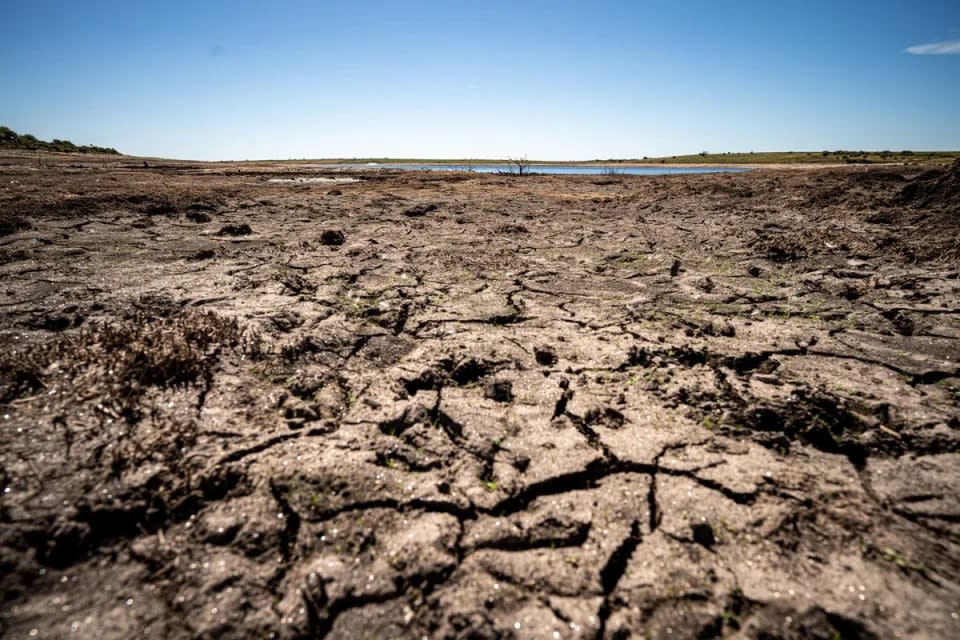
(473, 406)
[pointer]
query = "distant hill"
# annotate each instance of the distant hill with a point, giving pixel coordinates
(10, 139)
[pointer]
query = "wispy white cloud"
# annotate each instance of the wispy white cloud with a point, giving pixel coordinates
(935, 48)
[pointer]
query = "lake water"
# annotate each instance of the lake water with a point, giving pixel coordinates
(566, 169)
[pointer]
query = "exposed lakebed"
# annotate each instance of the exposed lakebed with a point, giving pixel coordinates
(476, 406)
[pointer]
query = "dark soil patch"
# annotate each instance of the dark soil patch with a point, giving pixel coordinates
(332, 237)
(420, 210)
(11, 224)
(235, 230)
(197, 216)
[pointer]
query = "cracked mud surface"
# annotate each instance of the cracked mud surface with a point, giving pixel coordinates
(474, 406)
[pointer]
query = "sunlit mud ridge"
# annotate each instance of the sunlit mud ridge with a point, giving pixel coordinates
(476, 406)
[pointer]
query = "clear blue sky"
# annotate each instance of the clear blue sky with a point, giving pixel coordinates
(237, 79)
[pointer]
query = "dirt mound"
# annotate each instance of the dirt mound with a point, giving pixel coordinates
(934, 191)
(929, 206)
(859, 190)
(876, 178)
(920, 210)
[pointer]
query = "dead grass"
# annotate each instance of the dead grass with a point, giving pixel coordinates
(120, 360)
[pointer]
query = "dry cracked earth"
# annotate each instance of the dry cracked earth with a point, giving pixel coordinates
(241, 402)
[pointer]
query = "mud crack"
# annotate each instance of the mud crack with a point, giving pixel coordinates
(613, 571)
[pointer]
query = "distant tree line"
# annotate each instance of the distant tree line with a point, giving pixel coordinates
(10, 139)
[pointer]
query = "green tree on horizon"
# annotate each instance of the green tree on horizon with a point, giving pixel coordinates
(10, 139)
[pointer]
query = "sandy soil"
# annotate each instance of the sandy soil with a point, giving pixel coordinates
(473, 406)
